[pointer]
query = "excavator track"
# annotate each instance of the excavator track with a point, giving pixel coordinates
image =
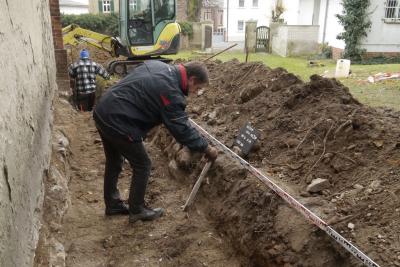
(122, 67)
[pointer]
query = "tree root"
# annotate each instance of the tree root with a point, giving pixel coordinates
(323, 152)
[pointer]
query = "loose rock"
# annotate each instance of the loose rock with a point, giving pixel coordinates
(318, 185)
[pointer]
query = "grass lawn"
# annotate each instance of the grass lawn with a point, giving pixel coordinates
(382, 94)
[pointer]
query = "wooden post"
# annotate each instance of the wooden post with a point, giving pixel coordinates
(197, 185)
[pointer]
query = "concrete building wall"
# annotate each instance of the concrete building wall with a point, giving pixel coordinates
(234, 13)
(298, 12)
(26, 94)
(291, 13)
(302, 12)
(383, 37)
(279, 40)
(295, 40)
(306, 12)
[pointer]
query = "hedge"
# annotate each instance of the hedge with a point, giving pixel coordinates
(186, 28)
(101, 23)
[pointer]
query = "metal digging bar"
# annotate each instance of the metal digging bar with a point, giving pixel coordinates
(219, 52)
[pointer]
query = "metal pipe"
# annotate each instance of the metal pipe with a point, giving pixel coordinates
(227, 20)
(325, 21)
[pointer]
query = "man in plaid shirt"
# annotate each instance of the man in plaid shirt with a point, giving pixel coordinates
(84, 72)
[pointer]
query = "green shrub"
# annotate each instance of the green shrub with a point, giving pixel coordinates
(378, 60)
(355, 21)
(187, 28)
(326, 50)
(101, 23)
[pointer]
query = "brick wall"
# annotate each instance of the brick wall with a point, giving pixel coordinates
(381, 54)
(60, 52)
(337, 53)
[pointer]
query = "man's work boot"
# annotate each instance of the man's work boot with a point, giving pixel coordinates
(118, 208)
(141, 212)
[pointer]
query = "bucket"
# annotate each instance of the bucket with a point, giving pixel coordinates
(342, 68)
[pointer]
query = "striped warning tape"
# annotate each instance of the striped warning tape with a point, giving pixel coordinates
(309, 215)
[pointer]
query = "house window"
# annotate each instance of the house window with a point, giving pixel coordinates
(241, 3)
(392, 10)
(133, 5)
(106, 6)
(255, 3)
(240, 25)
(207, 14)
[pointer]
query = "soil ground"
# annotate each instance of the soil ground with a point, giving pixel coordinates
(315, 130)
(308, 131)
(91, 239)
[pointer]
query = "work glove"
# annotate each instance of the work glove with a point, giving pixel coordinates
(211, 153)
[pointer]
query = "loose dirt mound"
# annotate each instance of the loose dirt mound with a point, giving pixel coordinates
(308, 131)
(102, 57)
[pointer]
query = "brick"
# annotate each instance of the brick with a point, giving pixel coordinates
(54, 11)
(337, 53)
(381, 54)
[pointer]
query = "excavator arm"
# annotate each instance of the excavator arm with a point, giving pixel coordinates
(73, 35)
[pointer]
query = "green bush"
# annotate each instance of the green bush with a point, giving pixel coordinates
(326, 50)
(378, 60)
(355, 21)
(186, 27)
(101, 23)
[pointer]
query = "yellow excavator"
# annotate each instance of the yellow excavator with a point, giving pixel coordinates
(148, 30)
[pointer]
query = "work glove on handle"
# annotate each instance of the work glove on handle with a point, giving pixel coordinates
(211, 153)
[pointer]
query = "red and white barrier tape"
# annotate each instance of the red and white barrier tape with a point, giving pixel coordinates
(309, 215)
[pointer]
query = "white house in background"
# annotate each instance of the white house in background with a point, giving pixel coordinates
(237, 12)
(383, 37)
(73, 7)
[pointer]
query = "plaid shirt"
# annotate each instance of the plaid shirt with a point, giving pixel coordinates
(84, 71)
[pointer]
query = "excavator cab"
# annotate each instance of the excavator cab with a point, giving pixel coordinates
(148, 27)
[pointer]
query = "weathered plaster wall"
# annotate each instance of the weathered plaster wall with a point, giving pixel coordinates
(27, 85)
(294, 40)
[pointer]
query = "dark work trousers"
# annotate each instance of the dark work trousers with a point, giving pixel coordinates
(85, 102)
(135, 153)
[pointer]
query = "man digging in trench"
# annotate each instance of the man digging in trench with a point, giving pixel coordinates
(152, 94)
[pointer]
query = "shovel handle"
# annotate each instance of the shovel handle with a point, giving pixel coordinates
(197, 185)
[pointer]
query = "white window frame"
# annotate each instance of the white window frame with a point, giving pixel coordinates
(255, 5)
(207, 14)
(133, 5)
(238, 28)
(106, 6)
(241, 1)
(392, 11)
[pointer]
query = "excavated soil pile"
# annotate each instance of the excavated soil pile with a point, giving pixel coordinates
(309, 131)
(102, 57)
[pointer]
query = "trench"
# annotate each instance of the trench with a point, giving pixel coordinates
(89, 238)
(234, 221)
(308, 130)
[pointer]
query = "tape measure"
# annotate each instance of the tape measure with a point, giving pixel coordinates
(309, 215)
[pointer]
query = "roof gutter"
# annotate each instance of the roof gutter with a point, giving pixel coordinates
(325, 21)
